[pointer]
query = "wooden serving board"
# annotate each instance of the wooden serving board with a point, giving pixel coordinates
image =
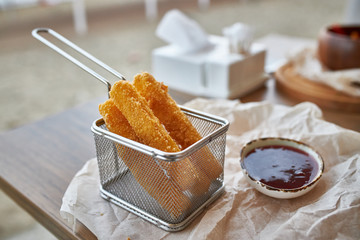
(289, 81)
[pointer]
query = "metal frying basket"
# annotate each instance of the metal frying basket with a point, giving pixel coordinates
(146, 181)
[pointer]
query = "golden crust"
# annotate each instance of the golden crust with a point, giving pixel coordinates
(145, 112)
(140, 117)
(166, 109)
(153, 180)
(176, 122)
(115, 120)
(151, 132)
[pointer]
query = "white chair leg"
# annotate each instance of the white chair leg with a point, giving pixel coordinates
(151, 10)
(203, 4)
(79, 14)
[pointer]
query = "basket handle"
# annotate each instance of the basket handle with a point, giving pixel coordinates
(67, 42)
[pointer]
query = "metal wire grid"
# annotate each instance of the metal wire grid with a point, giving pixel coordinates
(119, 182)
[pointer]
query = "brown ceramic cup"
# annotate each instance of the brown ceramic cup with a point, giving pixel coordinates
(339, 47)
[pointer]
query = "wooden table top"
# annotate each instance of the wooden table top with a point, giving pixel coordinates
(39, 160)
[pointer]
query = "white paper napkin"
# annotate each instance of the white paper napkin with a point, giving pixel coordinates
(330, 211)
(178, 29)
(240, 37)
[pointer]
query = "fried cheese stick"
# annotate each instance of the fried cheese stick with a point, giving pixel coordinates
(153, 180)
(115, 120)
(166, 109)
(176, 122)
(151, 132)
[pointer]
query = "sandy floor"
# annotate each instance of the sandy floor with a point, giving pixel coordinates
(36, 82)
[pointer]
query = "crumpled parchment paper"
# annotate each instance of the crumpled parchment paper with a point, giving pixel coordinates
(330, 211)
(307, 64)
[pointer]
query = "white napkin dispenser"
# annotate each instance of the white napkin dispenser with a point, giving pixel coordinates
(212, 71)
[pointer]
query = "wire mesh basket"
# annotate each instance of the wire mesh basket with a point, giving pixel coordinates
(142, 179)
(166, 189)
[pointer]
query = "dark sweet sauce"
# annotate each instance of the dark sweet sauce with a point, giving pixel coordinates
(352, 31)
(281, 166)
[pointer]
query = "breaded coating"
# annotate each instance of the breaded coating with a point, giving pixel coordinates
(140, 117)
(176, 122)
(151, 132)
(166, 109)
(153, 180)
(115, 120)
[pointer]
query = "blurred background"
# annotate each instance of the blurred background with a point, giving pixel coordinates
(36, 82)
